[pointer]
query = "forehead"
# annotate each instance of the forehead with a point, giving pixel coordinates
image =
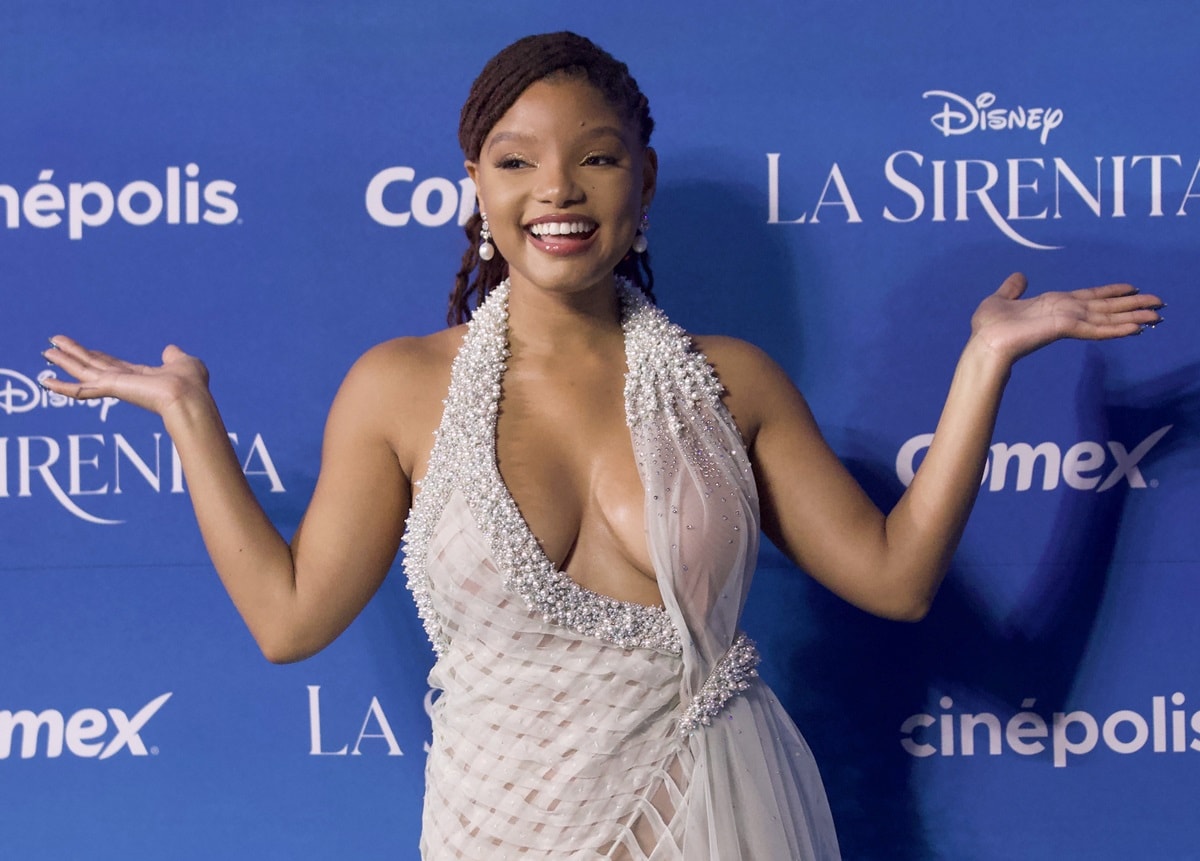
(559, 107)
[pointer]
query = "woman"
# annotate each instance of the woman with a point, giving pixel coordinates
(598, 700)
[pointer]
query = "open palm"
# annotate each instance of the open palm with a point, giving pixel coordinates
(155, 388)
(1015, 327)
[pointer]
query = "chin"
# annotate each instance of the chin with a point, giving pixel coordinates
(565, 277)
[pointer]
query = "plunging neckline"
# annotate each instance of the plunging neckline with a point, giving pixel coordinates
(494, 460)
(524, 521)
(464, 459)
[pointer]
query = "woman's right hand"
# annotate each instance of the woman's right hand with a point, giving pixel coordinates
(98, 375)
(296, 596)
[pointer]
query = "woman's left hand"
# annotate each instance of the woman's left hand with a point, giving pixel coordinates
(1014, 327)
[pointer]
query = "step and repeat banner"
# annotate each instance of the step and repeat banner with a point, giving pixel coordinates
(275, 186)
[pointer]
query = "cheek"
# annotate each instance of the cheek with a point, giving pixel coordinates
(494, 192)
(503, 214)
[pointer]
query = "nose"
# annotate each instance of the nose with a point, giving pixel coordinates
(558, 184)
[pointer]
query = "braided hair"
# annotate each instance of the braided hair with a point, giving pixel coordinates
(502, 81)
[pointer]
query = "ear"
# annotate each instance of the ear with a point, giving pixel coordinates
(473, 172)
(649, 175)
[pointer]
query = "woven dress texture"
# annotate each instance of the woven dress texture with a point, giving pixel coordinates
(570, 725)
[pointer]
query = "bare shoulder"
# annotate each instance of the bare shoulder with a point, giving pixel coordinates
(408, 364)
(396, 389)
(733, 356)
(755, 385)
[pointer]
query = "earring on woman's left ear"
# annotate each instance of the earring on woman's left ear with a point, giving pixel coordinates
(639, 241)
(486, 250)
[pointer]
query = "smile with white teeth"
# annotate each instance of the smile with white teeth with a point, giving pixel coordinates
(560, 228)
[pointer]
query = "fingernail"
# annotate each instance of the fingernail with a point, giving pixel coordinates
(42, 383)
(47, 358)
(52, 344)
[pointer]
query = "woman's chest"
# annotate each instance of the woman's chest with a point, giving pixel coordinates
(565, 454)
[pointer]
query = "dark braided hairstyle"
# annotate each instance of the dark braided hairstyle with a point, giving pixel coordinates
(502, 81)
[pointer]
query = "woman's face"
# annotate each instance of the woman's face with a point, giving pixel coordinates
(563, 179)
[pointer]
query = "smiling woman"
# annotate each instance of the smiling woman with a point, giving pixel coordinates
(622, 122)
(592, 483)
(562, 181)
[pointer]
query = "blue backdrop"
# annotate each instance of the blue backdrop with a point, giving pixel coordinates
(276, 187)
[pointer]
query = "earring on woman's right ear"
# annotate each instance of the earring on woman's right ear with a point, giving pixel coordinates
(486, 250)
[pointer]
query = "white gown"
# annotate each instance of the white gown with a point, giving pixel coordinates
(574, 726)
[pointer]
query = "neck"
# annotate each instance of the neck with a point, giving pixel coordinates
(540, 321)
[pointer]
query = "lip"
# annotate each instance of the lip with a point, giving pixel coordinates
(563, 244)
(560, 216)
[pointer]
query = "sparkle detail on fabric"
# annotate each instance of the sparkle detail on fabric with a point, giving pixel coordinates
(465, 449)
(571, 726)
(731, 676)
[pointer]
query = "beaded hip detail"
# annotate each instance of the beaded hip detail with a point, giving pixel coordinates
(730, 676)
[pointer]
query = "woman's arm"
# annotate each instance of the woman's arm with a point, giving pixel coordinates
(814, 510)
(294, 599)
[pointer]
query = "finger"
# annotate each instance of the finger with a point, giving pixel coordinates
(71, 358)
(1105, 331)
(1106, 291)
(1122, 325)
(1131, 302)
(172, 353)
(81, 362)
(75, 389)
(1148, 300)
(70, 347)
(1013, 287)
(79, 388)
(68, 354)
(1141, 317)
(1138, 308)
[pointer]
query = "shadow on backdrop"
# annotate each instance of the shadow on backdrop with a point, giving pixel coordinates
(717, 271)
(852, 663)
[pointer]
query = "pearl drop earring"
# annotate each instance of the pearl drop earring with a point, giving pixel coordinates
(486, 250)
(639, 241)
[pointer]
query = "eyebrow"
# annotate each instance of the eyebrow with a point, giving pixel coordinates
(523, 138)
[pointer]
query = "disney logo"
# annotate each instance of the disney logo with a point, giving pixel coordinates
(19, 394)
(960, 116)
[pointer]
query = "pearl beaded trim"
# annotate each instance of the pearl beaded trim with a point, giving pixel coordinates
(666, 378)
(731, 675)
